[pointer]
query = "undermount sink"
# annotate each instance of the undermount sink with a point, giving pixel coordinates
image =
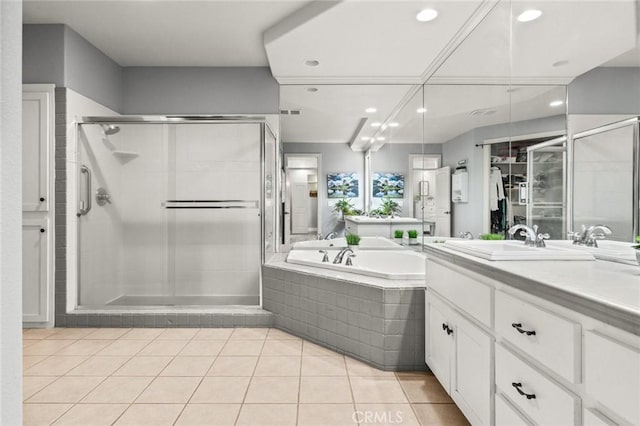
(613, 251)
(515, 250)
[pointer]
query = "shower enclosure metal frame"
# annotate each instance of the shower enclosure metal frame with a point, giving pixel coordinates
(261, 120)
(635, 122)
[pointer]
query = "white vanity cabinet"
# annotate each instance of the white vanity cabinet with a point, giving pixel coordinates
(459, 353)
(516, 358)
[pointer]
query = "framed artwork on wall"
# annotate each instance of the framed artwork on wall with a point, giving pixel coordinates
(388, 185)
(341, 185)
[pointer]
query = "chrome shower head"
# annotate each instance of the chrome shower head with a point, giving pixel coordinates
(110, 129)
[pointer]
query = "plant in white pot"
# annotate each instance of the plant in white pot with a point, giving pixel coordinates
(397, 235)
(413, 236)
(353, 240)
(343, 207)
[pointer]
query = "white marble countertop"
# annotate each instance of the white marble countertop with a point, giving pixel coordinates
(278, 260)
(607, 291)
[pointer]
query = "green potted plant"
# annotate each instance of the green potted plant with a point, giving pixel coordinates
(413, 236)
(353, 240)
(343, 207)
(397, 235)
(637, 249)
(389, 207)
(492, 237)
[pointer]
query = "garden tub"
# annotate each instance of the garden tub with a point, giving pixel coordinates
(389, 264)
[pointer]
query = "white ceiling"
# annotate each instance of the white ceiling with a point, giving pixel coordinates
(169, 33)
(367, 42)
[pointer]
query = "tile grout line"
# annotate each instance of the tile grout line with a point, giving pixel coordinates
(202, 378)
(353, 398)
(246, 391)
(299, 383)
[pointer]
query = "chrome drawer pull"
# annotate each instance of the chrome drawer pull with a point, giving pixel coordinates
(518, 326)
(521, 392)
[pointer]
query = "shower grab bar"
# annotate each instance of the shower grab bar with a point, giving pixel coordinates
(211, 204)
(85, 205)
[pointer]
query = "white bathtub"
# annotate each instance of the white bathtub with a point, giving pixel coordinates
(389, 264)
(366, 243)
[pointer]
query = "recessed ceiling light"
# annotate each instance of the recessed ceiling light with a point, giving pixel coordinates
(560, 63)
(421, 110)
(376, 124)
(365, 138)
(312, 63)
(394, 124)
(427, 15)
(312, 89)
(555, 103)
(380, 138)
(529, 15)
(370, 110)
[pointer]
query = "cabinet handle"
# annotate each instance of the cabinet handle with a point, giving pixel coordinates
(42, 199)
(41, 229)
(518, 326)
(446, 328)
(521, 392)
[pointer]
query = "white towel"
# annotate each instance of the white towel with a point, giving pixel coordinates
(496, 190)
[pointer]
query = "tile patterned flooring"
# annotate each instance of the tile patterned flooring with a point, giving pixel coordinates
(215, 376)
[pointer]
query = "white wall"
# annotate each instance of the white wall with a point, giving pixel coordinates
(10, 213)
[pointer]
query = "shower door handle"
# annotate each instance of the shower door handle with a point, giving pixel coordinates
(85, 205)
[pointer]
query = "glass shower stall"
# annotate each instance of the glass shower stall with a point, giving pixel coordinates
(171, 211)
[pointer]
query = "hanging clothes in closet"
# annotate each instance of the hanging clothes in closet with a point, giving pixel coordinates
(497, 201)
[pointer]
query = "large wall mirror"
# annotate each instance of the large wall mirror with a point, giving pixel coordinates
(522, 114)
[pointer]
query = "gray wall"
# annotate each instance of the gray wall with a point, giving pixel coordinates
(57, 54)
(606, 91)
(43, 54)
(468, 216)
(10, 214)
(193, 90)
(92, 73)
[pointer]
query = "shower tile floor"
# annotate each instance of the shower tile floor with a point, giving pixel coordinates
(215, 376)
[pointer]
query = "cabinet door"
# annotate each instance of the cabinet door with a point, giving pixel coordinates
(438, 342)
(472, 378)
(35, 276)
(36, 134)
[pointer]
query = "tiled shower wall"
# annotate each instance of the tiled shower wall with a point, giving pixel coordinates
(384, 327)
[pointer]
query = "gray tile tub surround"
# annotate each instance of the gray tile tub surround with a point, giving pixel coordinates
(381, 326)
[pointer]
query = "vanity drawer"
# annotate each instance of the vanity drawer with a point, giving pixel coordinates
(556, 342)
(612, 375)
(506, 414)
(463, 289)
(552, 404)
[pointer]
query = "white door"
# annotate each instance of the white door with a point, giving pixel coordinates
(35, 298)
(35, 151)
(443, 202)
(37, 180)
(299, 208)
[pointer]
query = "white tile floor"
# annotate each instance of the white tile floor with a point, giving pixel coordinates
(221, 376)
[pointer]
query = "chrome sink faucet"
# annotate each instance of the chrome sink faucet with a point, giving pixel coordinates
(331, 235)
(338, 259)
(468, 235)
(590, 235)
(533, 238)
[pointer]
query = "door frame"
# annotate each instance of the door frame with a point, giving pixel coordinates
(486, 167)
(286, 196)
